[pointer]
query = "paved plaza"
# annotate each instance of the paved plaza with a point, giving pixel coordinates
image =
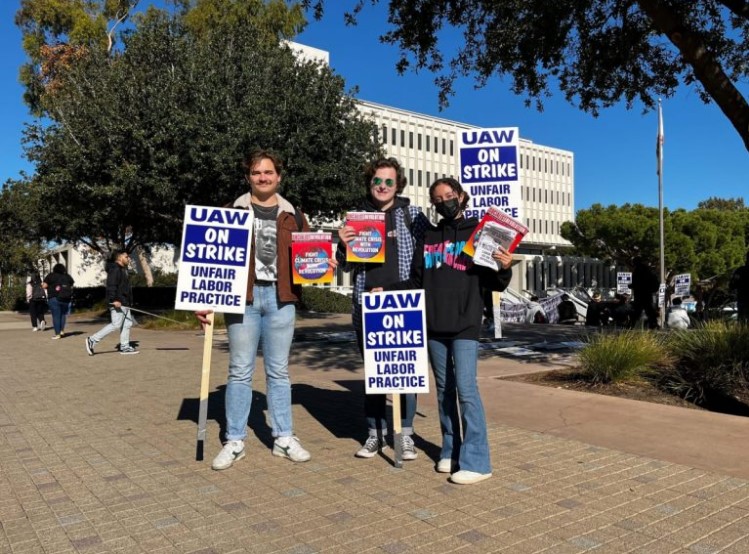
(97, 454)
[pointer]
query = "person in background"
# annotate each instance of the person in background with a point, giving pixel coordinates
(567, 311)
(644, 286)
(534, 313)
(36, 296)
(596, 315)
(678, 318)
(269, 315)
(120, 299)
(384, 180)
(740, 283)
(59, 287)
(454, 306)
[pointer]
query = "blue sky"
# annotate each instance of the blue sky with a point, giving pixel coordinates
(614, 153)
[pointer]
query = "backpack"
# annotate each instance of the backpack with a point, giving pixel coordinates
(37, 292)
(65, 293)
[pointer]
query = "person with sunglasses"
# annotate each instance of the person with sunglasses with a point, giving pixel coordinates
(384, 181)
(454, 307)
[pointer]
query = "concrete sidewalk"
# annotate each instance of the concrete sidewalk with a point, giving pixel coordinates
(97, 454)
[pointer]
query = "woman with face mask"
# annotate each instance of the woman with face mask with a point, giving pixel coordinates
(454, 307)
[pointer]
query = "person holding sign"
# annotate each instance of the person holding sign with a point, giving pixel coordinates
(384, 180)
(454, 306)
(269, 315)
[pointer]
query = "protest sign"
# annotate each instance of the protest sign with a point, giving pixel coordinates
(495, 229)
(214, 259)
(395, 344)
(310, 258)
(489, 170)
(682, 284)
(623, 280)
(213, 272)
(369, 244)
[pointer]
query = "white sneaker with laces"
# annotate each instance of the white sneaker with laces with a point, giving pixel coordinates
(291, 448)
(231, 452)
(43, 325)
(408, 450)
(446, 465)
(370, 448)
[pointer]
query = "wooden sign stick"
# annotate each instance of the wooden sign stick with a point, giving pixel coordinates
(397, 431)
(205, 378)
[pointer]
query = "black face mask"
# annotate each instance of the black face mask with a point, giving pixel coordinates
(448, 209)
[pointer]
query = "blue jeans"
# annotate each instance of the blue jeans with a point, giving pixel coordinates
(272, 321)
(454, 363)
(59, 311)
(122, 321)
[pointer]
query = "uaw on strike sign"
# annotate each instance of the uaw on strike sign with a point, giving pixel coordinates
(214, 258)
(395, 347)
(489, 170)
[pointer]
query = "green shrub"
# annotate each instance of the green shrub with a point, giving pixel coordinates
(711, 359)
(13, 297)
(621, 356)
(324, 300)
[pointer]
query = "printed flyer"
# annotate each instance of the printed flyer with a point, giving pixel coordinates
(495, 229)
(369, 244)
(310, 257)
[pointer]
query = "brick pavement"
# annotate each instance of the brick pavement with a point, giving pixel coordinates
(97, 454)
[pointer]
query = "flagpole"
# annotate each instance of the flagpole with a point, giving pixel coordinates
(659, 152)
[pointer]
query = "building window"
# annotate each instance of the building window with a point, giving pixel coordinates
(403, 138)
(410, 139)
(393, 138)
(451, 147)
(444, 146)
(419, 177)
(411, 176)
(428, 137)
(429, 178)
(436, 146)
(418, 141)
(384, 134)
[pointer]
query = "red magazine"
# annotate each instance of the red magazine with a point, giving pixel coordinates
(369, 244)
(310, 257)
(495, 229)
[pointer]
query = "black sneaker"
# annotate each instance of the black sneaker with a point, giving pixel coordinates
(370, 448)
(90, 346)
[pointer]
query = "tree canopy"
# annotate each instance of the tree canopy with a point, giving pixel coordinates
(708, 241)
(597, 52)
(164, 120)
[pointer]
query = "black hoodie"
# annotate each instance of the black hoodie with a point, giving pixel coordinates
(453, 284)
(118, 285)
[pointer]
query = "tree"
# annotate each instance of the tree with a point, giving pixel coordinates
(21, 248)
(165, 120)
(598, 52)
(704, 242)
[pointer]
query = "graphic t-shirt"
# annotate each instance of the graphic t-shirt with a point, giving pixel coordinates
(265, 243)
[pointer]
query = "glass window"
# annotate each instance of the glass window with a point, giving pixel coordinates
(444, 146)
(451, 147)
(428, 137)
(418, 141)
(394, 138)
(410, 139)
(384, 134)
(403, 138)
(419, 177)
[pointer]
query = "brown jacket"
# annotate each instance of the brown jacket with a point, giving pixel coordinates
(285, 225)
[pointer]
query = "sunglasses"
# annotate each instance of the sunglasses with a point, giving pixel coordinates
(376, 181)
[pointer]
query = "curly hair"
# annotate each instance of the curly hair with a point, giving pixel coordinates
(372, 168)
(255, 155)
(453, 184)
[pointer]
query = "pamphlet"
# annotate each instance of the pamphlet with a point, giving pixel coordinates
(369, 244)
(495, 229)
(310, 258)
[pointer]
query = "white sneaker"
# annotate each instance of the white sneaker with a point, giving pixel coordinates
(291, 448)
(230, 453)
(370, 447)
(465, 477)
(408, 450)
(43, 325)
(445, 465)
(34, 329)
